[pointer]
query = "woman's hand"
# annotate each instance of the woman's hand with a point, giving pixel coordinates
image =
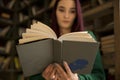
(61, 74)
(49, 73)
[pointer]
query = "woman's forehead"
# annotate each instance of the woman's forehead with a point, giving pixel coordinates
(67, 3)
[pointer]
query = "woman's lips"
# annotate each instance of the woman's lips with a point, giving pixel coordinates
(66, 21)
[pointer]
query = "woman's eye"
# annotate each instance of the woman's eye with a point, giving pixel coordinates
(61, 10)
(72, 11)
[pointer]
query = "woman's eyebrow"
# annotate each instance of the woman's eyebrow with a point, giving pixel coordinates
(73, 8)
(64, 7)
(61, 7)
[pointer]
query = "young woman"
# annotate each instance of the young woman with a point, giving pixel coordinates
(67, 18)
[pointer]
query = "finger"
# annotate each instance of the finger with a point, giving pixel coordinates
(55, 74)
(50, 71)
(57, 77)
(47, 70)
(60, 71)
(74, 77)
(67, 68)
(52, 76)
(48, 67)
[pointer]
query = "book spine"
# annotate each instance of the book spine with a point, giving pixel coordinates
(57, 51)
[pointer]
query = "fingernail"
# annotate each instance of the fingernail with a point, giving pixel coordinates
(55, 64)
(64, 62)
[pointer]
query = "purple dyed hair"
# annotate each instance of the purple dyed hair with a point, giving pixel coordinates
(78, 23)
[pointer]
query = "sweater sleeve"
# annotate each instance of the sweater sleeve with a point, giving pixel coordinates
(97, 72)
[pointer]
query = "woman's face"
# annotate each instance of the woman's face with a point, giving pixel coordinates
(66, 13)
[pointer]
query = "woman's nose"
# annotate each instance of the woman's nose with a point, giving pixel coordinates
(66, 15)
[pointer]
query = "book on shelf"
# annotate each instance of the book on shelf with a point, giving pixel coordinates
(27, 2)
(4, 31)
(40, 47)
(52, 3)
(23, 17)
(110, 49)
(22, 4)
(17, 64)
(6, 63)
(6, 49)
(2, 50)
(101, 2)
(36, 10)
(1, 61)
(8, 46)
(21, 30)
(107, 44)
(5, 15)
(105, 38)
(11, 4)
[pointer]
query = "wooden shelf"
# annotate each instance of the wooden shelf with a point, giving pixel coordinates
(99, 11)
(117, 38)
(108, 28)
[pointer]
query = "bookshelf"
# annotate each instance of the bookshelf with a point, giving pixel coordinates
(15, 16)
(103, 19)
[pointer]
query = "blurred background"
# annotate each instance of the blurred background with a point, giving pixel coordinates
(100, 16)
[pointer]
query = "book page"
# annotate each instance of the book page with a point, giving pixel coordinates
(37, 27)
(43, 28)
(77, 36)
(30, 35)
(22, 41)
(39, 32)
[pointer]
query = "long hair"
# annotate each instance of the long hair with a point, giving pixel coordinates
(78, 23)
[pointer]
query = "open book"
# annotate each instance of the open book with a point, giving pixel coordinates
(40, 31)
(40, 47)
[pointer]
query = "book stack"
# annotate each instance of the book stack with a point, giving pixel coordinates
(108, 50)
(107, 44)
